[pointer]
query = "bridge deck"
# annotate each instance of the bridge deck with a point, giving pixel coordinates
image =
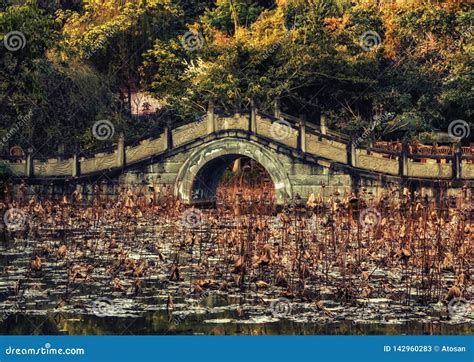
(300, 138)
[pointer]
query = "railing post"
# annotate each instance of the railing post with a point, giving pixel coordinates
(211, 119)
(323, 125)
(29, 162)
(351, 154)
(276, 108)
(76, 171)
(302, 133)
(61, 148)
(167, 134)
(457, 162)
(121, 151)
(403, 160)
(253, 117)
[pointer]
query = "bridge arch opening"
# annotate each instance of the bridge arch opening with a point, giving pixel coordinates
(199, 177)
(233, 179)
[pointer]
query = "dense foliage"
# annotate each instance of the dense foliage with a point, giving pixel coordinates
(352, 61)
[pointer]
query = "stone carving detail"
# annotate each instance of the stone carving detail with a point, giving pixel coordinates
(376, 163)
(53, 168)
(467, 170)
(331, 150)
(238, 122)
(145, 149)
(189, 132)
(100, 162)
(284, 134)
(17, 169)
(429, 170)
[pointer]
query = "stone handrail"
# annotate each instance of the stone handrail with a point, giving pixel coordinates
(294, 133)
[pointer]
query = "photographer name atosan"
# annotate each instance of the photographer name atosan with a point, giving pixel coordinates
(452, 349)
(423, 348)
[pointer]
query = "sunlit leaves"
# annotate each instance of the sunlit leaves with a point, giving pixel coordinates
(40, 31)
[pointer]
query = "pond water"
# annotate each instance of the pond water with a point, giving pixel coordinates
(221, 313)
(156, 277)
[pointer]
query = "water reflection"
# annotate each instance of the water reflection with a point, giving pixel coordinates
(158, 323)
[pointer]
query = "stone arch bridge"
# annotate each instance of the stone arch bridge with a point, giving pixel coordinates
(300, 157)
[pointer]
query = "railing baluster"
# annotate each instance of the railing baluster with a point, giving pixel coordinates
(211, 119)
(323, 124)
(351, 154)
(29, 163)
(121, 151)
(276, 108)
(76, 166)
(403, 160)
(302, 133)
(168, 136)
(253, 117)
(457, 165)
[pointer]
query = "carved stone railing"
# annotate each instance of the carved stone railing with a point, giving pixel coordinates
(294, 133)
(377, 161)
